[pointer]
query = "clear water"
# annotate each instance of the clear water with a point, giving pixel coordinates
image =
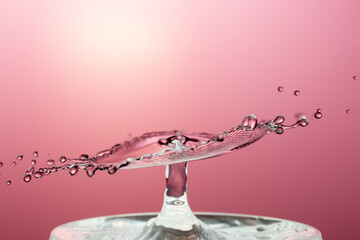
(164, 148)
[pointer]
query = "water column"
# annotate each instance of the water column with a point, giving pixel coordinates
(176, 218)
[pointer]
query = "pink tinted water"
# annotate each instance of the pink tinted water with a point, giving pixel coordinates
(80, 76)
(164, 148)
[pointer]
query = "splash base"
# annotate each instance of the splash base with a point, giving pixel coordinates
(228, 226)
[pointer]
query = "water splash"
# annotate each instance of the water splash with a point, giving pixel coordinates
(166, 147)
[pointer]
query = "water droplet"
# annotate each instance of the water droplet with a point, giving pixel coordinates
(112, 170)
(27, 178)
(33, 162)
(280, 89)
(1, 164)
(348, 111)
(354, 77)
(63, 159)
(35, 154)
(279, 130)
(14, 163)
(19, 157)
(50, 162)
(279, 119)
(73, 170)
(8, 182)
(38, 174)
(90, 170)
(219, 137)
(249, 122)
(318, 115)
(303, 122)
(319, 110)
(296, 92)
(84, 157)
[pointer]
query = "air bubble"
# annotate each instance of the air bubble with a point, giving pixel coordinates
(33, 162)
(348, 111)
(20, 157)
(35, 154)
(73, 170)
(280, 89)
(8, 182)
(50, 162)
(296, 92)
(27, 178)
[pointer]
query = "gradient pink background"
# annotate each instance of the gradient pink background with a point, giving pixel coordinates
(80, 76)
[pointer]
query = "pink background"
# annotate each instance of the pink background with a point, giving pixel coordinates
(79, 76)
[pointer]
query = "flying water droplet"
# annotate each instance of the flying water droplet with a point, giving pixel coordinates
(280, 89)
(354, 77)
(279, 119)
(63, 159)
(33, 162)
(279, 130)
(35, 154)
(8, 182)
(38, 174)
(30, 171)
(84, 157)
(303, 122)
(20, 157)
(50, 162)
(73, 170)
(27, 178)
(249, 122)
(14, 163)
(348, 111)
(318, 114)
(296, 92)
